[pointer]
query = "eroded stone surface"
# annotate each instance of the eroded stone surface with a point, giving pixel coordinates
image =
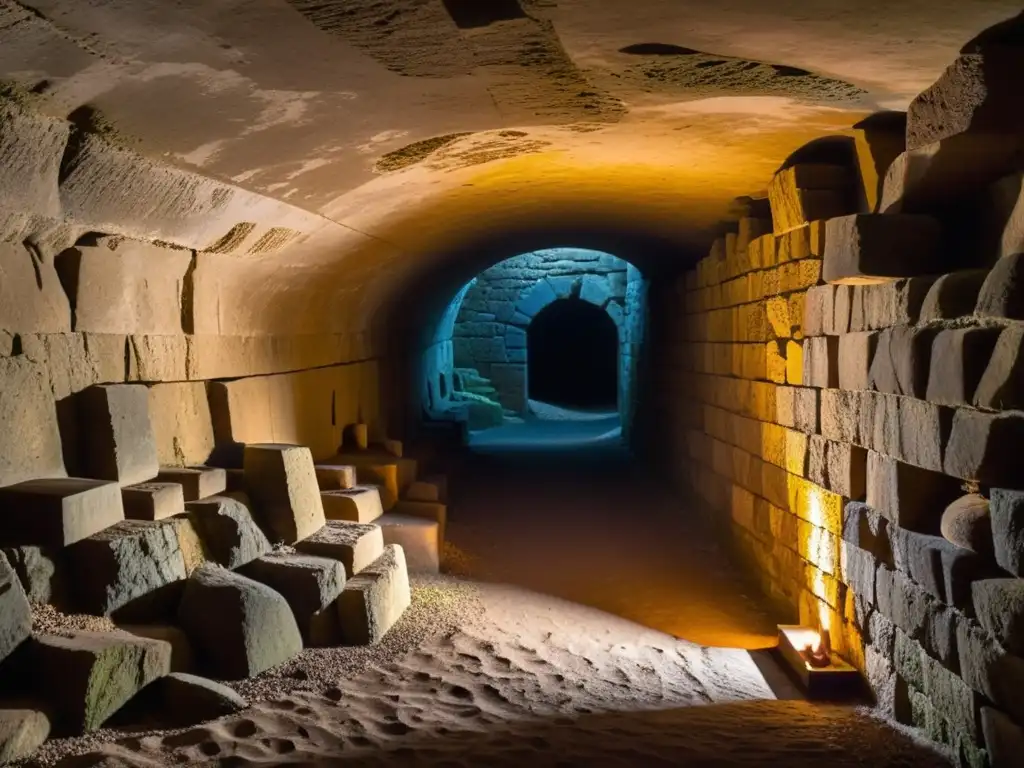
(282, 483)
(375, 599)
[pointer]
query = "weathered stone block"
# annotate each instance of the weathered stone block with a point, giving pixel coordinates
(1007, 510)
(282, 483)
(983, 446)
(418, 537)
(238, 626)
(847, 470)
(182, 423)
(152, 501)
(15, 613)
(842, 309)
(872, 248)
(189, 700)
(958, 360)
(354, 544)
(31, 298)
(1002, 384)
(910, 497)
(310, 585)
(87, 676)
(902, 361)
(427, 510)
(374, 600)
(117, 434)
(953, 296)
(196, 482)
(227, 530)
(1002, 293)
(999, 606)
(840, 415)
(356, 505)
(819, 304)
(803, 193)
(22, 732)
(183, 657)
(57, 512)
(922, 427)
(879, 306)
(41, 571)
(821, 362)
(856, 351)
(794, 362)
(135, 565)
(989, 669)
(388, 473)
(957, 703)
(421, 490)
(334, 477)
(866, 529)
(30, 443)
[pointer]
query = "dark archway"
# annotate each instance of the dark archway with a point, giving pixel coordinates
(573, 356)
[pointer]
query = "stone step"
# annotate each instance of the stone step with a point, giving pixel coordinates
(355, 505)
(281, 480)
(196, 482)
(374, 600)
(419, 538)
(57, 512)
(427, 510)
(354, 544)
(153, 501)
(334, 477)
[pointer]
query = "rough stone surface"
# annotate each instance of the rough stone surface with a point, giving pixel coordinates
(334, 477)
(182, 655)
(952, 296)
(196, 482)
(282, 483)
(871, 248)
(982, 447)
(22, 731)
(189, 699)
(354, 544)
(419, 538)
(182, 423)
(807, 192)
(237, 626)
(118, 441)
(135, 565)
(152, 501)
(902, 361)
(375, 599)
(87, 676)
(15, 613)
(967, 523)
(311, 585)
(999, 606)
(423, 491)
(1002, 293)
(1006, 508)
(228, 530)
(360, 504)
(856, 351)
(57, 512)
(41, 571)
(959, 358)
(908, 496)
(30, 441)
(989, 669)
(1002, 384)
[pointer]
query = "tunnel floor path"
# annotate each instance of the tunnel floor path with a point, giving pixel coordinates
(589, 620)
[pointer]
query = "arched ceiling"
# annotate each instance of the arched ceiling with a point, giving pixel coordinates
(416, 127)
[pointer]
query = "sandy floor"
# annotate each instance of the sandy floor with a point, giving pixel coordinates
(604, 631)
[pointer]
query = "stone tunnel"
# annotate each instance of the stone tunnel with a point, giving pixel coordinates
(454, 382)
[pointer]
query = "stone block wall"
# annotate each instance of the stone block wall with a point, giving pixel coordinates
(847, 409)
(490, 330)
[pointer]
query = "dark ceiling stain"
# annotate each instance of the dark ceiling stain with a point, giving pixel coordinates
(468, 14)
(657, 49)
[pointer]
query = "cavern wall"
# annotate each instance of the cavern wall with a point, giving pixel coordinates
(842, 396)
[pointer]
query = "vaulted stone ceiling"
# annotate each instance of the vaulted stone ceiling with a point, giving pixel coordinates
(412, 126)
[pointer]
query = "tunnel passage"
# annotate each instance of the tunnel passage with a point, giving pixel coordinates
(572, 356)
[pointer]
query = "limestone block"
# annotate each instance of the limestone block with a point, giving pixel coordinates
(775, 361)
(841, 309)
(282, 482)
(1004, 739)
(87, 676)
(1002, 293)
(152, 501)
(373, 601)
(950, 696)
(182, 654)
(333, 477)
(118, 285)
(133, 565)
(418, 537)
(238, 626)
(840, 415)
(990, 670)
(22, 731)
(977, 94)
(354, 544)
(596, 289)
(959, 358)
(15, 613)
(189, 700)
(821, 362)
(31, 297)
(873, 248)
(154, 358)
(902, 361)
(922, 428)
(227, 530)
(999, 606)
(982, 446)
(422, 490)
(311, 586)
(1002, 384)
(426, 510)
(41, 572)
(961, 568)
(878, 141)
(855, 354)
(117, 435)
(182, 424)
(196, 482)
(794, 362)
(952, 296)
(30, 444)
(360, 504)
(58, 511)
(867, 530)
(1006, 508)
(846, 470)
(534, 300)
(910, 497)
(803, 193)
